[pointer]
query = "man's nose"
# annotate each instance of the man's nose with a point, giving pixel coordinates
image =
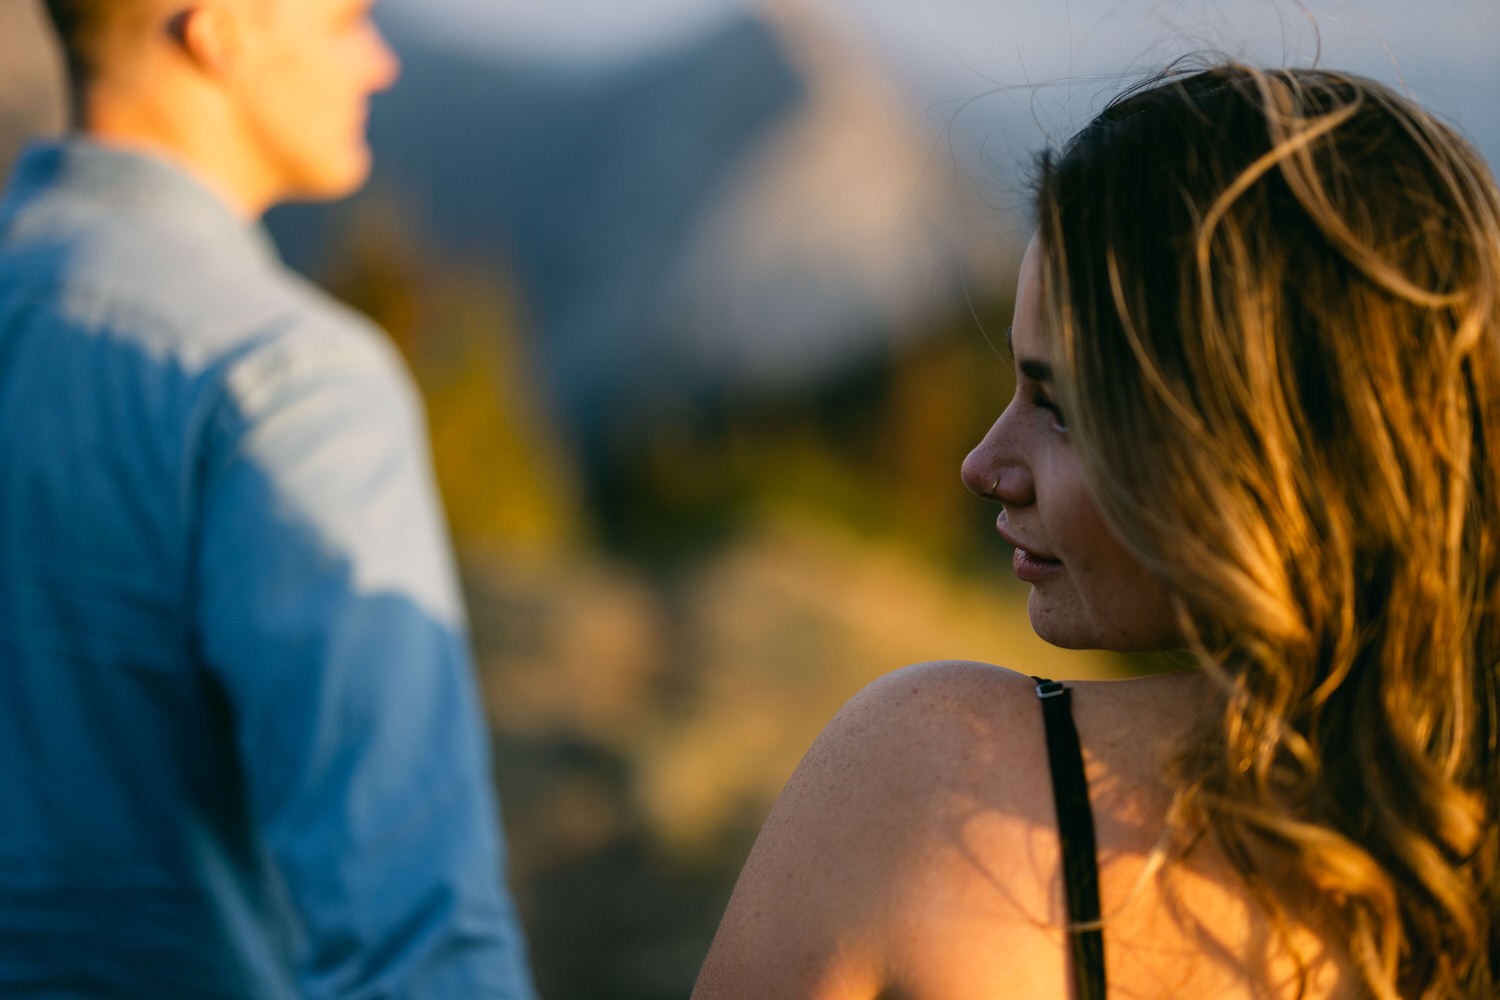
(388, 64)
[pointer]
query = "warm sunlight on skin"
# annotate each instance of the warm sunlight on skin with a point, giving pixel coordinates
(914, 856)
(1087, 591)
(263, 100)
(307, 78)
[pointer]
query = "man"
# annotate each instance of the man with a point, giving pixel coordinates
(240, 754)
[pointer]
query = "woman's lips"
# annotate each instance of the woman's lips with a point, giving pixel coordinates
(1031, 568)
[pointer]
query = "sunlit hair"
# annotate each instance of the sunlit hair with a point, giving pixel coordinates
(1275, 302)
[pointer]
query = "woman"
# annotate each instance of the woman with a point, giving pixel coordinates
(1255, 419)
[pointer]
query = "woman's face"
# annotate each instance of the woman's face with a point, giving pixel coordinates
(1087, 591)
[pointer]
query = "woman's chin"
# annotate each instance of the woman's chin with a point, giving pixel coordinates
(1061, 630)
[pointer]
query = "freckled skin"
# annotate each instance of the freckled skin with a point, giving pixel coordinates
(1100, 596)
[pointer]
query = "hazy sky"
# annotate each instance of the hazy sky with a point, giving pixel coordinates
(1055, 57)
(982, 30)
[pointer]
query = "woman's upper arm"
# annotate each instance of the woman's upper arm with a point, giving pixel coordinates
(873, 813)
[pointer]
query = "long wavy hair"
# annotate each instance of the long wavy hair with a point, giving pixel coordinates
(1275, 298)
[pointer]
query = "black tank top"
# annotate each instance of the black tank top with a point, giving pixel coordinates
(1075, 831)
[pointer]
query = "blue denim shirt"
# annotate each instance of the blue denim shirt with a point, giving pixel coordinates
(240, 751)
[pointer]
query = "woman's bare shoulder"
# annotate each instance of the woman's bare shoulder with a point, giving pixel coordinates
(936, 744)
(917, 749)
(926, 800)
(933, 726)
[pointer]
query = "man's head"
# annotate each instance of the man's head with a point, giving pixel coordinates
(268, 98)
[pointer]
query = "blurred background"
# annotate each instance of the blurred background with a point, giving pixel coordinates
(708, 301)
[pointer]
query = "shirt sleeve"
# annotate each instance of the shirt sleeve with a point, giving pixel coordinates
(328, 611)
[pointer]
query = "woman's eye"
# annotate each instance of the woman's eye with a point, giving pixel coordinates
(1058, 423)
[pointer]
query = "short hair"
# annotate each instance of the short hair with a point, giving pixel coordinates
(88, 30)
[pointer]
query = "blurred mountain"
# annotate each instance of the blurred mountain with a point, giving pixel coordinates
(581, 181)
(32, 91)
(749, 212)
(835, 239)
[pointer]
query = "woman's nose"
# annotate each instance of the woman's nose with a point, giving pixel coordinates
(994, 472)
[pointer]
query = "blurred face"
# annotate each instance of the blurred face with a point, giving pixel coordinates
(1087, 591)
(308, 70)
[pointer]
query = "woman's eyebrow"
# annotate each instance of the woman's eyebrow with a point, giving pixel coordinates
(1037, 371)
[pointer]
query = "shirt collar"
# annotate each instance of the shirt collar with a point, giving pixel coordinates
(134, 182)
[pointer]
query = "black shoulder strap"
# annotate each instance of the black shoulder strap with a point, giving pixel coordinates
(1075, 830)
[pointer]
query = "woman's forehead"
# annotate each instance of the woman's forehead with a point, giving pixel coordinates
(1027, 336)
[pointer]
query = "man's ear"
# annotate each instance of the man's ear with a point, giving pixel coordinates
(210, 35)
